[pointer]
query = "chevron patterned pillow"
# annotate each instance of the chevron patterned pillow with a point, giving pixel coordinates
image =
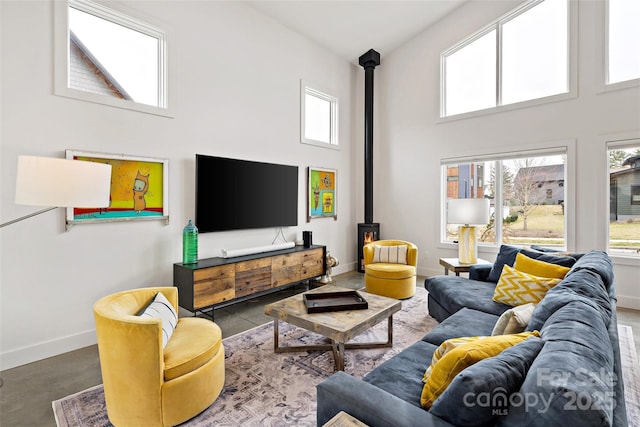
(516, 288)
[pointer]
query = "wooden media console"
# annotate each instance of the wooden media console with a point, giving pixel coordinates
(217, 282)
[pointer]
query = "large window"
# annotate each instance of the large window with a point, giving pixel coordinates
(106, 56)
(521, 57)
(527, 196)
(624, 197)
(623, 40)
(318, 118)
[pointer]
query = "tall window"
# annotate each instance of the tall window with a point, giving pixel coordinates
(318, 118)
(623, 40)
(111, 57)
(522, 56)
(526, 193)
(624, 198)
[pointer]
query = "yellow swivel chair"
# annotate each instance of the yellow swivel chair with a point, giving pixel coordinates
(394, 279)
(144, 383)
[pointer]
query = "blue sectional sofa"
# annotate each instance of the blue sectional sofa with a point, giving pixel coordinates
(571, 376)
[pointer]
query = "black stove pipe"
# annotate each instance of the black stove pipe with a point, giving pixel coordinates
(368, 61)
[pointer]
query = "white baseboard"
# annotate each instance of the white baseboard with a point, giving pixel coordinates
(22, 356)
(628, 302)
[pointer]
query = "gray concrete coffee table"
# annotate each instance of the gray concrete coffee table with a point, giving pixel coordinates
(338, 326)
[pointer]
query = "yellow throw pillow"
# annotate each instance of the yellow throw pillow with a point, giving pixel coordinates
(443, 349)
(516, 288)
(463, 356)
(539, 268)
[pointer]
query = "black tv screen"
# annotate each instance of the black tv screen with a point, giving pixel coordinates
(234, 194)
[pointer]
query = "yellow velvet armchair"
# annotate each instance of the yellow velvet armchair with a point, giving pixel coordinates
(394, 278)
(144, 383)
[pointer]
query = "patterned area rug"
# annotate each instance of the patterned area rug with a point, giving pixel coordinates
(267, 389)
(630, 374)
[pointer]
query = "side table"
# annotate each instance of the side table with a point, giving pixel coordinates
(453, 264)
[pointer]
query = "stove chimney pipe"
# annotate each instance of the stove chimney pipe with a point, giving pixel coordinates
(368, 61)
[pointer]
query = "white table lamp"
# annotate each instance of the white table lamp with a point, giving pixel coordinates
(45, 181)
(467, 213)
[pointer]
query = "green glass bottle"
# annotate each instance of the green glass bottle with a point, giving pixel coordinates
(190, 244)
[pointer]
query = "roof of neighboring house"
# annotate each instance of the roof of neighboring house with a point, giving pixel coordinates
(548, 173)
(633, 161)
(97, 68)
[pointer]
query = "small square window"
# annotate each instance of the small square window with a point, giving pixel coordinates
(319, 117)
(108, 57)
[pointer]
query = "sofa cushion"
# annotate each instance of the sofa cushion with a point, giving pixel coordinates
(466, 322)
(507, 256)
(195, 341)
(463, 356)
(539, 268)
(584, 286)
(402, 374)
(573, 375)
(454, 293)
(514, 321)
(390, 254)
(557, 251)
(597, 262)
(483, 390)
(516, 288)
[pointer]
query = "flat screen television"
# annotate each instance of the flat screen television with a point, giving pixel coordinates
(233, 194)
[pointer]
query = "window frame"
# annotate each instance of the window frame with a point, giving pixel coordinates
(314, 90)
(121, 17)
(572, 61)
(604, 51)
(618, 141)
(563, 147)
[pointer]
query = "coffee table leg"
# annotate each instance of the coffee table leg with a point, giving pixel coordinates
(275, 335)
(338, 355)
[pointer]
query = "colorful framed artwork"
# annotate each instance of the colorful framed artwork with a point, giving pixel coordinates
(139, 189)
(321, 193)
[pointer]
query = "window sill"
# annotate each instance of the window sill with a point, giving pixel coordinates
(630, 260)
(509, 107)
(320, 144)
(112, 102)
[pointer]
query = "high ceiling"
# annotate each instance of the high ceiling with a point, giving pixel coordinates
(351, 27)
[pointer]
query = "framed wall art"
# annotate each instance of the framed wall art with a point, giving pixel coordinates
(139, 189)
(321, 193)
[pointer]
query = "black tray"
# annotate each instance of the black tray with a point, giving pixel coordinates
(334, 301)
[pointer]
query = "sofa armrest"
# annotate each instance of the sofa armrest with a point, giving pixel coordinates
(480, 272)
(369, 404)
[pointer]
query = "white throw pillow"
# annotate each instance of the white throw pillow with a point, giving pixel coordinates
(514, 320)
(390, 254)
(161, 308)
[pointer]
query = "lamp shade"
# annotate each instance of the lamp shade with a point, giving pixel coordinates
(468, 211)
(45, 181)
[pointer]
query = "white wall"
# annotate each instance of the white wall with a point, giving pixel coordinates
(234, 80)
(411, 141)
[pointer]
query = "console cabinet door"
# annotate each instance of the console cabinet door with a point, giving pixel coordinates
(312, 263)
(213, 285)
(253, 276)
(285, 269)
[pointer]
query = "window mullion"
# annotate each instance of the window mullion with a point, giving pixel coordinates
(499, 64)
(498, 203)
